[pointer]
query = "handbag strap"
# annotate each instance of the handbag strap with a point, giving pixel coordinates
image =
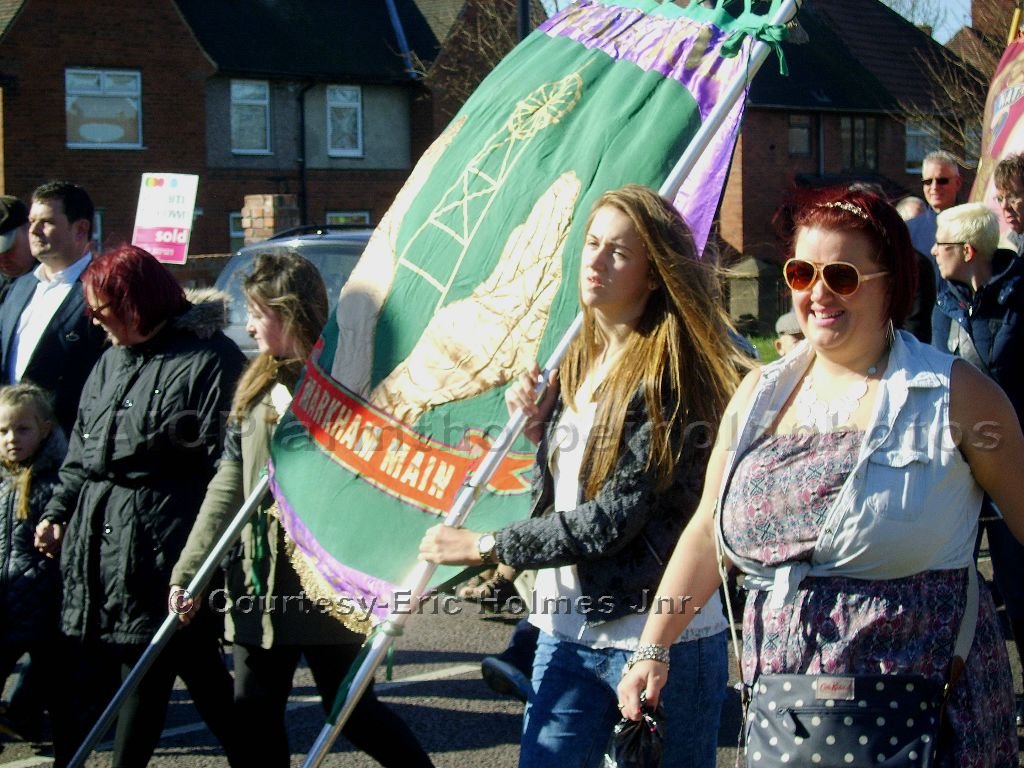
(723, 573)
(965, 637)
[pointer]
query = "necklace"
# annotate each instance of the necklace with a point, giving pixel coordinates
(826, 416)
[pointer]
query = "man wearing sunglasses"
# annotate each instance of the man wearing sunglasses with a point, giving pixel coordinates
(977, 316)
(1009, 182)
(940, 183)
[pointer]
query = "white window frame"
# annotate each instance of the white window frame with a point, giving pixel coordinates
(859, 141)
(235, 230)
(105, 87)
(920, 137)
(333, 101)
(352, 218)
(251, 102)
(797, 128)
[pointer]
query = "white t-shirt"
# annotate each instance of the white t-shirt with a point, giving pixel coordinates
(557, 592)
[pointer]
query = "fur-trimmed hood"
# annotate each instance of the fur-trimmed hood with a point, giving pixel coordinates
(207, 313)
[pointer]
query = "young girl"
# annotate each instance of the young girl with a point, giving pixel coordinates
(619, 465)
(32, 447)
(288, 307)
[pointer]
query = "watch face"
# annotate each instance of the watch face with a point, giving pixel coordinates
(485, 544)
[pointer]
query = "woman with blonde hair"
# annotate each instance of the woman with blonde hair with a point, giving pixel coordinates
(622, 440)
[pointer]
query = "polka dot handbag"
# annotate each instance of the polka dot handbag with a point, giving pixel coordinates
(832, 721)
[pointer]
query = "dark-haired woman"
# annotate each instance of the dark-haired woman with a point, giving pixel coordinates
(271, 621)
(622, 445)
(142, 450)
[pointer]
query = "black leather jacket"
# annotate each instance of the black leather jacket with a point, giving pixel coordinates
(621, 540)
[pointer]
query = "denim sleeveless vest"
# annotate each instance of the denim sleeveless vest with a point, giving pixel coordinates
(909, 505)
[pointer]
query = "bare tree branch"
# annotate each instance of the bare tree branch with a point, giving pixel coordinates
(958, 78)
(481, 37)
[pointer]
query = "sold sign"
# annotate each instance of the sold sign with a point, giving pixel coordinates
(163, 219)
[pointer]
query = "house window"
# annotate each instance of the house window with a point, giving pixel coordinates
(859, 137)
(347, 217)
(344, 121)
(250, 117)
(236, 232)
(800, 135)
(921, 139)
(103, 108)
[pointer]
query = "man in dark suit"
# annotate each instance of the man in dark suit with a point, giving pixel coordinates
(46, 337)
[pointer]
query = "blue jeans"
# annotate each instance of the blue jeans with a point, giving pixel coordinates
(570, 717)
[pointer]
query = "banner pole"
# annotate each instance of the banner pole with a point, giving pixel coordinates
(170, 624)
(476, 483)
(735, 90)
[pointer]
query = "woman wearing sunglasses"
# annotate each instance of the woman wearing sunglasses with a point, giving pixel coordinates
(623, 440)
(849, 476)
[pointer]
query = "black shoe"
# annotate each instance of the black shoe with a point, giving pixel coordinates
(502, 677)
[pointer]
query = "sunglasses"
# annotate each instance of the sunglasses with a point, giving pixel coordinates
(940, 180)
(93, 312)
(841, 278)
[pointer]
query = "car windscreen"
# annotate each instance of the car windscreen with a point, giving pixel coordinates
(334, 259)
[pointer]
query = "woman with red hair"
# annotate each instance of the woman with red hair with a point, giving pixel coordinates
(142, 450)
(846, 485)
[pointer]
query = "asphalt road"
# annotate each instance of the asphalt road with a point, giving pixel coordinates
(436, 688)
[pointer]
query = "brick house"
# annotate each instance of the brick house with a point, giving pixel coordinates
(315, 98)
(266, 102)
(835, 118)
(983, 42)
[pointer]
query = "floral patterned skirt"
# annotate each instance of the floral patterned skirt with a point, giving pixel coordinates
(776, 503)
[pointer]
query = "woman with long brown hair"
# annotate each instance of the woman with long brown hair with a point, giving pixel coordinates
(622, 445)
(270, 620)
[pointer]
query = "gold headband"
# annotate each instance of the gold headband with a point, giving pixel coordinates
(848, 207)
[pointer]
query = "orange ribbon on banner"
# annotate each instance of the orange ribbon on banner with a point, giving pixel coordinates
(419, 470)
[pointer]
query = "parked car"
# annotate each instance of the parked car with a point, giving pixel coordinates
(334, 250)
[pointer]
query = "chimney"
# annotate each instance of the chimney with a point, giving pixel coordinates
(264, 215)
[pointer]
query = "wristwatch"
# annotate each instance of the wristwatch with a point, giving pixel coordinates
(485, 545)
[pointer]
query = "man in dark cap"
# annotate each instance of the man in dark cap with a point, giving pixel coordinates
(15, 253)
(787, 333)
